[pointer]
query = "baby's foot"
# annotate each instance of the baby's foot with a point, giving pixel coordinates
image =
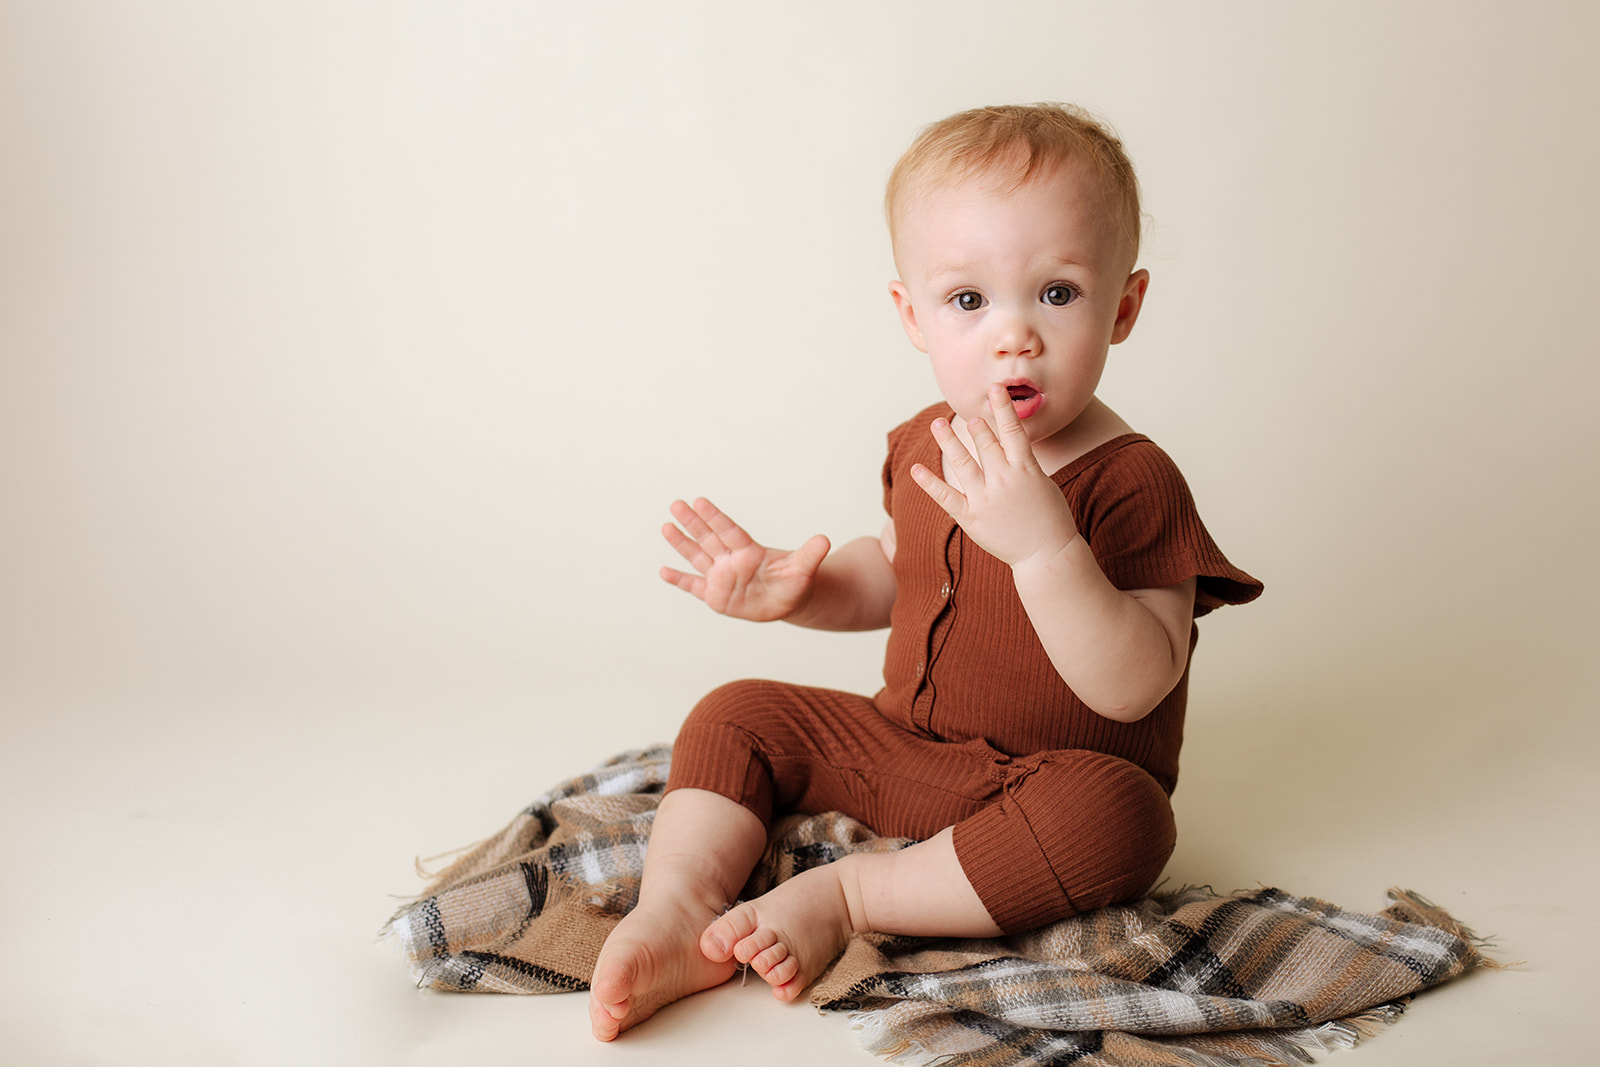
(789, 934)
(651, 959)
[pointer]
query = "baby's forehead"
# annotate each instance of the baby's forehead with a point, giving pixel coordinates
(1078, 181)
(1077, 178)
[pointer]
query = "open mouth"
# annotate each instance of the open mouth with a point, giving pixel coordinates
(1025, 400)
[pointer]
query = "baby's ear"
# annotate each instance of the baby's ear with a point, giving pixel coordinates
(908, 314)
(1128, 307)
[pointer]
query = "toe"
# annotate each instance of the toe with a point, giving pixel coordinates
(716, 944)
(769, 958)
(610, 987)
(604, 1025)
(608, 1006)
(721, 939)
(751, 947)
(785, 979)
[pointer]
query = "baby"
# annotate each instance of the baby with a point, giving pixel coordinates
(1040, 574)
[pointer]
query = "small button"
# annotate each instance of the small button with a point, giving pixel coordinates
(944, 590)
(920, 669)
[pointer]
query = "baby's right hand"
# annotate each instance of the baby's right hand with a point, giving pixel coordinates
(736, 576)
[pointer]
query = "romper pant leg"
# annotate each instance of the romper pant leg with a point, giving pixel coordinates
(1073, 831)
(1039, 837)
(742, 735)
(783, 748)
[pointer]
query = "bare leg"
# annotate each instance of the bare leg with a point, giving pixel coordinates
(790, 934)
(702, 849)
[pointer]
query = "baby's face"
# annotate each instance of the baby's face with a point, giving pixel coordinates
(1026, 287)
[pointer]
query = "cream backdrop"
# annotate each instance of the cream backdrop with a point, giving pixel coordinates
(350, 354)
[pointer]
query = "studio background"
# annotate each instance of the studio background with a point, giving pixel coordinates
(350, 354)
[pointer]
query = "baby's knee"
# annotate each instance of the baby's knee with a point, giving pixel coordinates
(719, 749)
(1127, 824)
(1105, 825)
(721, 731)
(1141, 835)
(734, 704)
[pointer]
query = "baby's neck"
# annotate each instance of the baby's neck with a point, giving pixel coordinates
(1097, 425)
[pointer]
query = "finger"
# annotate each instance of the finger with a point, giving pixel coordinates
(689, 583)
(1012, 435)
(697, 528)
(958, 462)
(953, 503)
(809, 556)
(989, 449)
(686, 547)
(727, 531)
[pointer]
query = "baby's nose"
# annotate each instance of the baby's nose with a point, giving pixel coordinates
(1016, 337)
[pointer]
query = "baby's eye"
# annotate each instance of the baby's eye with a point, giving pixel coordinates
(969, 301)
(1060, 295)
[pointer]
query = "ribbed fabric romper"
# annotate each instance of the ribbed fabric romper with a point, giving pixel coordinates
(1056, 809)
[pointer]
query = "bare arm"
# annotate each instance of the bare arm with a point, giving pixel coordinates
(1120, 651)
(852, 589)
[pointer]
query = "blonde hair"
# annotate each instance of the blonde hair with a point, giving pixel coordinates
(1014, 142)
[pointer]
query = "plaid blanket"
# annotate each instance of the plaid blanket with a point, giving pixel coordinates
(1186, 978)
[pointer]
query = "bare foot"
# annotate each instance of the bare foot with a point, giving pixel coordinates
(652, 958)
(789, 934)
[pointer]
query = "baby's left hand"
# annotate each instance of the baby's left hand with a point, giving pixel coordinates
(1009, 505)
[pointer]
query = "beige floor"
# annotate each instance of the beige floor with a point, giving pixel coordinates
(202, 883)
(350, 352)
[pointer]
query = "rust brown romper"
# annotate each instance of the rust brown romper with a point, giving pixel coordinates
(1056, 809)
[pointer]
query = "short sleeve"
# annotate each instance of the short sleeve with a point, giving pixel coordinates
(888, 470)
(901, 440)
(1139, 517)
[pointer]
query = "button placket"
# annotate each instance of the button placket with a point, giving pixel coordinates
(943, 611)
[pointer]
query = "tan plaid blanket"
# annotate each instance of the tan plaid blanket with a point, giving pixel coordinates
(1186, 978)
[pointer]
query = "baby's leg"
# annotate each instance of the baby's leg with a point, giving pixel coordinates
(791, 933)
(702, 849)
(1072, 831)
(802, 749)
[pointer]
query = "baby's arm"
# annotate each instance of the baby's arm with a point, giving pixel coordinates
(1120, 651)
(851, 589)
(854, 587)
